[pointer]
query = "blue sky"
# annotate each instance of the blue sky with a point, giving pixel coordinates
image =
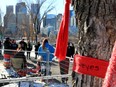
(59, 5)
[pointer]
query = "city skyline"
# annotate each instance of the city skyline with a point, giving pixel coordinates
(59, 6)
(20, 22)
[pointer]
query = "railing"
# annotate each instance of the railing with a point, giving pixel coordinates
(55, 69)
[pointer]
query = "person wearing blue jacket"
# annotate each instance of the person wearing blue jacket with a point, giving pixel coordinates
(46, 50)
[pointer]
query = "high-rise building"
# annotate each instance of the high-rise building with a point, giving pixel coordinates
(21, 8)
(10, 22)
(35, 16)
(34, 8)
(50, 20)
(9, 9)
(10, 19)
(73, 29)
(72, 18)
(59, 18)
(22, 19)
(23, 24)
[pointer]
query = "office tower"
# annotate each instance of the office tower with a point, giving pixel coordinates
(9, 9)
(21, 8)
(22, 24)
(10, 19)
(72, 18)
(59, 18)
(35, 16)
(50, 20)
(22, 19)
(34, 8)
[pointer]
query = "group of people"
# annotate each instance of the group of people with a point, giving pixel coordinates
(9, 46)
(11, 49)
(14, 50)
(43, 52)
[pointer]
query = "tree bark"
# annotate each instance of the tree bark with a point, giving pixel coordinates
(96, 20)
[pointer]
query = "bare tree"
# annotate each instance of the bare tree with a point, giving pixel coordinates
(36, 22)
(96, 20)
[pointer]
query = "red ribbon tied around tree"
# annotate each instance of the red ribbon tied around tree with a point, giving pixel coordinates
(62, 38)
(90, 66)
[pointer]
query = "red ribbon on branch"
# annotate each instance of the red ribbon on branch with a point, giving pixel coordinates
(110, 78)
(62, 39)
(90, 66)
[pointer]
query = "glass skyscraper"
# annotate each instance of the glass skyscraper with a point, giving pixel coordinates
(21, 8)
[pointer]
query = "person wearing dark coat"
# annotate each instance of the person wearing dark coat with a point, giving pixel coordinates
(7, 46)
(23, 44)
(72, 49)
(7, 52)
(64, 65)
(36, 49)
(29, 48)
(14, 47)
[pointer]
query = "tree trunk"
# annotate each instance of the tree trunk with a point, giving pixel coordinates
(96, 20)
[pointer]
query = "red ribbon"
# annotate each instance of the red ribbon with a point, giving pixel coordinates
(62, 39)
(90, 66)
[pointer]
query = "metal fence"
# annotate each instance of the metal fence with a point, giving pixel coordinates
(49, 80)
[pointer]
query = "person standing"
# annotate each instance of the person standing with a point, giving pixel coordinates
(36, 49)
(7, 52)
(72, 48)
(29, 48)
(46, 52)
(64, 65)
(23, 44)
(14, 46)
